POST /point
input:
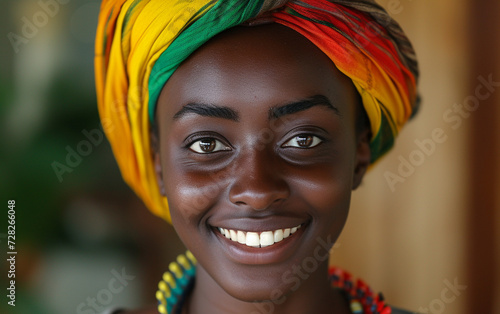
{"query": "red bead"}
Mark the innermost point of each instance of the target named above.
(386, 310)
(359, 292)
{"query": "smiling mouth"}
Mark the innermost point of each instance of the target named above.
(258, 239)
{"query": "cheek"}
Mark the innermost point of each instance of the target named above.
(188, 196)
(191, 194)
(327, 189)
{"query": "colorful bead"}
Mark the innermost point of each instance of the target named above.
(169, 278)
(187, 264)
(183, 261)
(162, 309)
(361, 297)
(356, 307)
(191, 257)
(173, 287)
(176, 270)
(386, 310)
(160, 296)
(175, 281)
(180, 277)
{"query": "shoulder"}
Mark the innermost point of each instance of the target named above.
(396, 310)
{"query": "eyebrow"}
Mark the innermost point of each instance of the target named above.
(208, 110)
(301, 105)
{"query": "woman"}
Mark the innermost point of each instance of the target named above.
(247, 124)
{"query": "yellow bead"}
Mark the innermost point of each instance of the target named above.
(169, 278)
(164, 288)
(181, 259)
(356, 307)
(191, 257)
(176, 269)
(162, 309)
(159, 296)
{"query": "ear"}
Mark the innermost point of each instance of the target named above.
(363, 157)
(155, 151)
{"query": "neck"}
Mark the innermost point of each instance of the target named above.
(314, 295)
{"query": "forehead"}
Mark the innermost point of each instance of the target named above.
(256, 67)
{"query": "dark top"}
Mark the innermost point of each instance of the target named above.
(400, 311)
(121, 311)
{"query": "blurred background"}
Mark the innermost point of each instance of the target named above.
(424, 226)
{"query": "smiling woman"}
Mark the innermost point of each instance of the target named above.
(257, 140)
(302, 176)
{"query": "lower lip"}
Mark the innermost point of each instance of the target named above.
(243, 254)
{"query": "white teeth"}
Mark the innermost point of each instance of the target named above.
(266, 238)
(286, 233)
(278, 235)
(254, 239)
(233, 234)
(242, 238)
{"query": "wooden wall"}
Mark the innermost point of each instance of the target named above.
(432, 225)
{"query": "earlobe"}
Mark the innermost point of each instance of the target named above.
(363, 156)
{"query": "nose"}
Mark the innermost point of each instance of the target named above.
(260, 183)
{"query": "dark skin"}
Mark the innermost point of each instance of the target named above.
(257, 131)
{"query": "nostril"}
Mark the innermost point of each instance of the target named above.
(259, 184)
(258, 200)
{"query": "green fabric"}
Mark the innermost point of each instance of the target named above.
(224, 15)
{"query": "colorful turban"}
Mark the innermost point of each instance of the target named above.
(140, 43)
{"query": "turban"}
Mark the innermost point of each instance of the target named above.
(140, 43)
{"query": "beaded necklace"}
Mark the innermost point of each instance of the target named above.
(177, 283)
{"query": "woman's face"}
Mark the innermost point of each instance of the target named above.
(256, 137)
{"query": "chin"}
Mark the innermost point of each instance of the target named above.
(257, 290)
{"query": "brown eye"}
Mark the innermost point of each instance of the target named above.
(208, 145)
(303, 141)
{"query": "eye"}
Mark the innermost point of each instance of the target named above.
(208, 145)
(303, 141)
